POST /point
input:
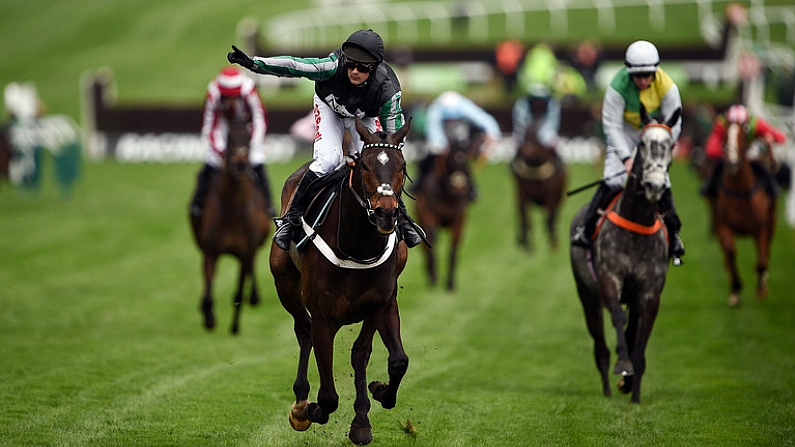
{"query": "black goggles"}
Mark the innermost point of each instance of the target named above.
(363, 67)
(643, 75)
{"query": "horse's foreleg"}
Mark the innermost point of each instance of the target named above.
(430, 256)
(552, 216)
(645, 315)
(206, 306)
(455, 239)
(595, 321)
(726, 239)
(610, 292)
(388, 325)
(237, 301)
(763, 243)
(288, 282)
(524, 225)
(299, 419)
(361, 432)
(254, 298)
(327, 399)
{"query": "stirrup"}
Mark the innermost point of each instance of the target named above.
(579, 239)
(284, 230)
(677, 250)
(283, 236)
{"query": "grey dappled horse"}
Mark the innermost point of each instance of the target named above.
(629, 261)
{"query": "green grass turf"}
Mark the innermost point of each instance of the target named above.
(102, 345)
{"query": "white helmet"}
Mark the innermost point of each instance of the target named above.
(642, 57)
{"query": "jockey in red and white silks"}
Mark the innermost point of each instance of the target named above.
(230, 88)
(231, 83)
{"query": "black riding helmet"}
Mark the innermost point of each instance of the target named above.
(364, 46)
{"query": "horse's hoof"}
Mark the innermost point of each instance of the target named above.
(624, 367)
(625, 384)
(761, 294)
(361, 435)
(298, 419)
(734, 300)
(379, 392)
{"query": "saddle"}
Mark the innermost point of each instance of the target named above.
(320, 195)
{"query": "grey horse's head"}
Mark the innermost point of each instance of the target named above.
(654, 155)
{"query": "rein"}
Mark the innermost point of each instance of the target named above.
(626, 224)
(660, 125)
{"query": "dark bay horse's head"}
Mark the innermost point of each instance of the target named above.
(654, 155)
(734, 146)
(236, 158)
(463, 147)
(531, 150)
(381, 172)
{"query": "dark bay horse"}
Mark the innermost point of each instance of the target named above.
(234, 222)
(347, 273)
(540, 178)
(6, 151)
(444, 196)
(742, 207)
(628, 262)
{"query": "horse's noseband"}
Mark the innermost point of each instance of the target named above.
(385, 189)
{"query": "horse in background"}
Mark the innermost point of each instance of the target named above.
(343, 272)
(444, 196)
(628, 262)
(234, 222)
(6, 152)
(742, 207)
(540, 177)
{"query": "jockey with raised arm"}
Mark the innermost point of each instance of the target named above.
(352, 81)
(641, 83)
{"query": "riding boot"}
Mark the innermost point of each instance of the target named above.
(409, 230)
(265, 189)
(768, 180)
(284, 232)
(676, 248)
(202, 189)
(710, 186)
(601, 199)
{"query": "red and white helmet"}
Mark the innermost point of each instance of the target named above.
(230, 81)
(737, 114)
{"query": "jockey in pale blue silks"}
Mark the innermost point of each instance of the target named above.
(539, 108)
(452, 106)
